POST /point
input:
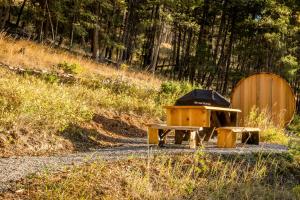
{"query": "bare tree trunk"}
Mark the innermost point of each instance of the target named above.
(95, 39)
(157, 42)
(50, 21)
(20, 12)
(5, 15)
(72, 33)
(229, 54)
(221, 28)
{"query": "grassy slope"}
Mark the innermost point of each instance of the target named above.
(34, 112)
(41, 114)
(36, 56)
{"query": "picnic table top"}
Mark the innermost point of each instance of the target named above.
(207, 108)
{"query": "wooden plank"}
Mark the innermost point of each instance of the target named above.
(226, 138)
(195, 117)
(153, 135)
(268, 92)
(188, 116)
(185, 117)
(222, 109)
(206, 107)
(239, 129)
(166, 127)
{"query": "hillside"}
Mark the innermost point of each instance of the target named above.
(82, 82)
(53, 102)
(42, 113)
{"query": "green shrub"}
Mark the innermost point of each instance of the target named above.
(70, 68)
(51, 77)
(171, 90)
(124, 67)
(294, 126)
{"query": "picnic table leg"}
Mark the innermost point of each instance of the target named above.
(179, 136)
(153, 137)
(206, 134)
(194, 140)
(250, 138)
(162, 136)
(187, 136)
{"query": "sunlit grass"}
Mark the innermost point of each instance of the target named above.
(28, 54)
(270, 132)
(173, 177)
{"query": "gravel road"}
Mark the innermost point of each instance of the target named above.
(16, 168)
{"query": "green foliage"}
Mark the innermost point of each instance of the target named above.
(265, 34)
(171, 90)
(296, 191)
(291, 65)
(51, 77)
(10, 103)
(124, 67)
(70, 68)
(294, 126)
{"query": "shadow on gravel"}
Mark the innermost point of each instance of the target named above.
(119, 127)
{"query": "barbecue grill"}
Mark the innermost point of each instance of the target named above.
(199, 97)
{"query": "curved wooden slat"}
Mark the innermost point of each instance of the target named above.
(267, 92)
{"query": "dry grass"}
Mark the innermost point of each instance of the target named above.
(270, 132)
(37, 56)
(36, 108)
(44, 106)
(33, 112)
(167, 177)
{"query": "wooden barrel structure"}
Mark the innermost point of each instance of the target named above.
(267, 92)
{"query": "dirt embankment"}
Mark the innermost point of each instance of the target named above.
(106, 129)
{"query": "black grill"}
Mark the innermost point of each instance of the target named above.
(203, 98)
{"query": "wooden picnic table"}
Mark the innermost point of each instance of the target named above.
(200, 123)
(204, 116)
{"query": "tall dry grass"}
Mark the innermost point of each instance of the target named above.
(36, 107)
(270, 132)
(172, 177)
(32, 55)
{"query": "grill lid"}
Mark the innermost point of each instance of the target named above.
(199, 97)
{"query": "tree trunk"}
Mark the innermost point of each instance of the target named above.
(221, 28)
(229, 53)
(95, 35)
(20, 12)
(72, 33)
(5, 16)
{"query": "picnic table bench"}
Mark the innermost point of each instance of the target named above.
(201, 123)
(157, 133)
(227, 136)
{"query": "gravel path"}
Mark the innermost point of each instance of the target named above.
(16, 168)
